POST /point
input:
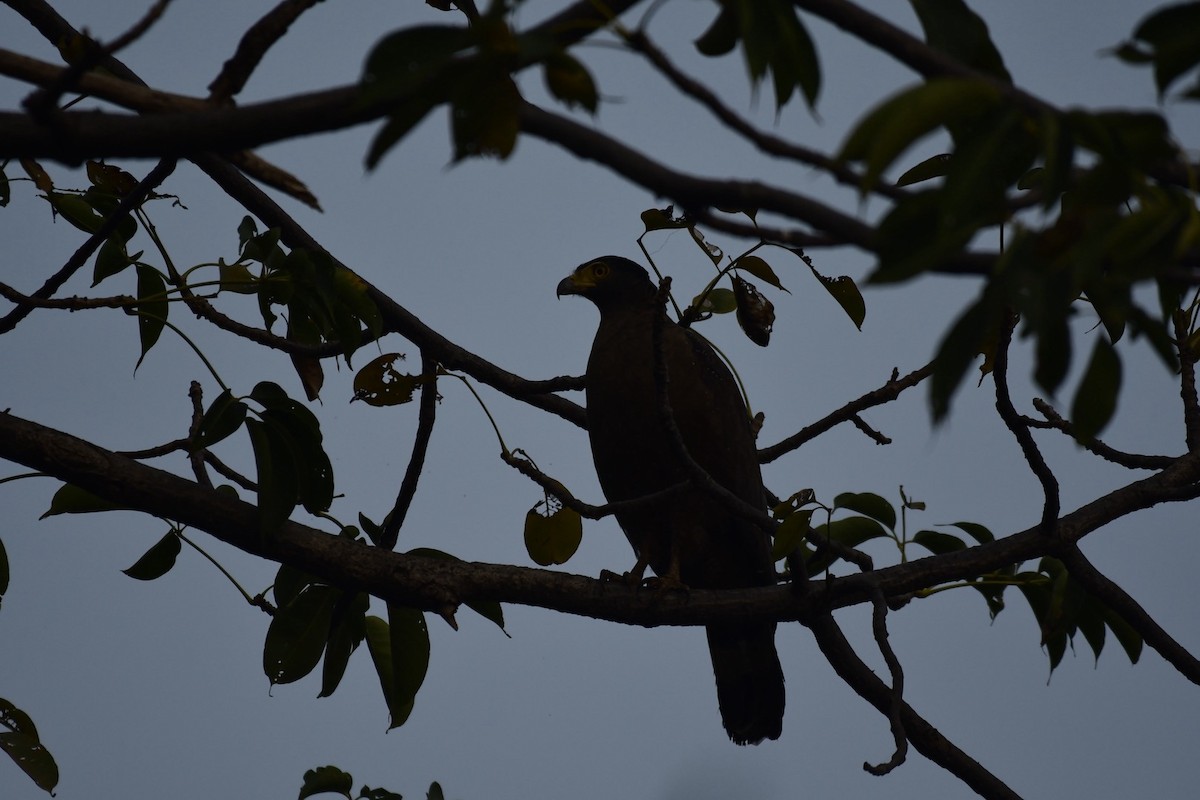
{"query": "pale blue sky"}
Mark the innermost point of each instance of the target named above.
(156, 689)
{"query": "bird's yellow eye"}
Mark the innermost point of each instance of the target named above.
(599, 270)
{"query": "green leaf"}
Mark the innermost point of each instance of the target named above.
(718, 301)
(71, 499)
(657, 219)
(570, 82)
(932, 167)
(976, 531)
(326, 779)
(157, 561)
(1127, 635)
(347, 630)
(898, 123)
(32, 757)
(552, 538)
(953, 28)
(722, 35)
(237, 278)
(843, 289)
(483, 116)
(298, 633)
(379, 383)
(853, 531)
(791, 533)
(400, 650)
(1096, 398)
(111, 259)
(937, 542)
(759, 269)
(1173, 32)
(21, 743)
(872, 505)
(76, 210)
(276, 476)
(222, 419)
(151, 307)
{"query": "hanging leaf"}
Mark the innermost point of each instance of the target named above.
(157, 561)
(151, 308)
(1096, 398)
(755, 313)
(554, 536)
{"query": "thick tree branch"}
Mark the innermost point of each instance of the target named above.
(433, 584)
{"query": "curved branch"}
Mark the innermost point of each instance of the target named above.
(1120, 458)
(847, 413)
(926, 738)
(1020, 431)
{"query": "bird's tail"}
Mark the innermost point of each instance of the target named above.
(749, 681)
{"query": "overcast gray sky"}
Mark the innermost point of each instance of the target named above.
(156, 689)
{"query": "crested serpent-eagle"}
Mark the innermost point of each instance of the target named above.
(689, 536)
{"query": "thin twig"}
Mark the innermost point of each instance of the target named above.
(1012, 420)
(884, 394)
(84, 252)
(1055, 421)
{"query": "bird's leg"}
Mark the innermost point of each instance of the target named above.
(669, 581)
(631, 578)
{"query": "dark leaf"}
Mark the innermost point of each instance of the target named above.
(790, 534)
(31, 756)
(157, 561)
(379, 383)
(76, 210)
(1096, 398)
(113, 257)
(570, 82)
(932, 167)
(869, 504)
(326, 779)
(151, 307)
(953, 28)
(722, 35)
(70, 499)
(755, 313)
(759, 269)
(657, 219)
(222, 419)
(298, 633)
(937, 542)
(347, 629)
(716, 301)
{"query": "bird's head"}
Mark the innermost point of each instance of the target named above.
(610, 282)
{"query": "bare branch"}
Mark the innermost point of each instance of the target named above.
(926, 738)
(884, 394)
(426, 416)
(255, 42)
(1130, 460)
(1012, 420)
